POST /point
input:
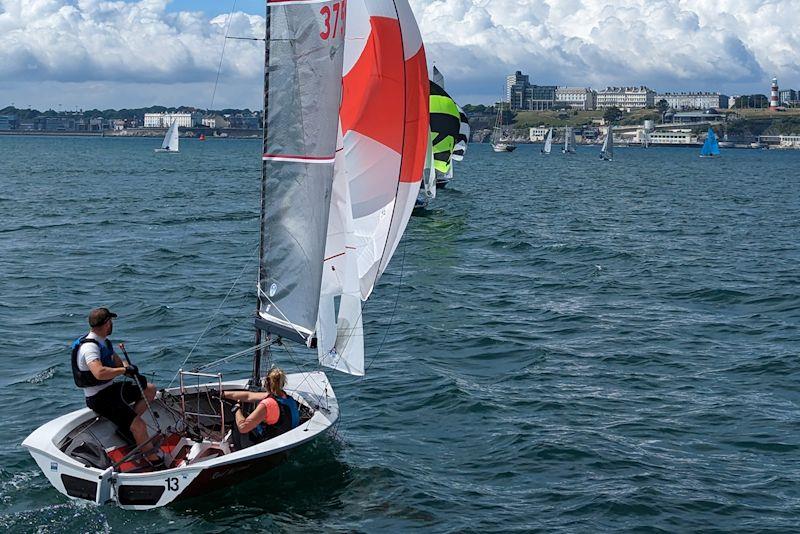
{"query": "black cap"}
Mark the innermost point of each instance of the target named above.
(99, 316)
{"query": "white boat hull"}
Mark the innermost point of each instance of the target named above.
(142, 491)
(503, 147)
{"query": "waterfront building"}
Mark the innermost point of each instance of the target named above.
(522, 95)
(518, 80)
(780, 141)
(677, 137)
(538, 134)
(709, 115)
(97, 124)
(583, 98)
(699, 100)
(165, 120)
(789, 97)
(215, 121)
(8, 122)
(626, 98)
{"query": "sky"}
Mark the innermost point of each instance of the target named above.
(82, 54)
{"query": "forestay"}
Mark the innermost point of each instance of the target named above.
(304, 55)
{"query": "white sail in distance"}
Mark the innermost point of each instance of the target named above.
(171, 138)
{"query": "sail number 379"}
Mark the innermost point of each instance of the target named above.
(332, 15)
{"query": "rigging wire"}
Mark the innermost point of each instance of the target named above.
(244, 352)
(211, 321)
(221, 57)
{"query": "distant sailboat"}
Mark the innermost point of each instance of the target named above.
(497, 132)
(463, 136)
(607, 152)
(569, 141)
(446, 121)
(171, 142)
(427, 191)
(711, 146)
(548, 142)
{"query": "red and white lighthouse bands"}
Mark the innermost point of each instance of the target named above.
(773, 95)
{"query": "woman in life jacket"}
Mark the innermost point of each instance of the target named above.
(275, 411)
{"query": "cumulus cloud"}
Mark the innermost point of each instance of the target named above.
(722, 45)
(96, 40)
(725, 45)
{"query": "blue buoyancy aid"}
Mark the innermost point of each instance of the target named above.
(289, 405)
(85, 379)
(288, 419)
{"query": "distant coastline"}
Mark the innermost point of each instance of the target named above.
(185, 133)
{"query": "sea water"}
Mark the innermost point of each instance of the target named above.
(559, 343)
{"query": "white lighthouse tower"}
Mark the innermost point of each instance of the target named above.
(774, 102)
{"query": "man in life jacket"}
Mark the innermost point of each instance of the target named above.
(95, 365)
(275, 411)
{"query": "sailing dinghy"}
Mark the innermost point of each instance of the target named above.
(447, 127)
(607, 152)
(338, 185)
(497, 133)
(548, 142)
(171, 139)
(569, 141)
(710, 147)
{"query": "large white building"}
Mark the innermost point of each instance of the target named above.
(701, 100)
(538, 134)
(165, 120)
(626, 98)
(675, 137)
(577, 97)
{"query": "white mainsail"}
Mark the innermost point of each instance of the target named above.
(607, 152)
(383, 154)
(569, 141)
(171, 143)
(305, 54)
(548, 142)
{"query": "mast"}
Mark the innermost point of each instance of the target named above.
(262, 226)
(262, 229)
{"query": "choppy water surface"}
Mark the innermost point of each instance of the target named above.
(565, 344)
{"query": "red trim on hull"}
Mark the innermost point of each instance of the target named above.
(223, 476)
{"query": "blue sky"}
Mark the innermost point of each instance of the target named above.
(97, 53)
(253, 7)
